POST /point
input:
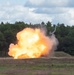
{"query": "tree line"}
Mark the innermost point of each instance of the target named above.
(64, 34)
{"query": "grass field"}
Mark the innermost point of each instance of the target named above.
(41, 66)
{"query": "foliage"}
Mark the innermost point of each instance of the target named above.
(64, 34)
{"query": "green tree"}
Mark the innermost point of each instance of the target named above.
(49, 27)
(10, 36)
(3, 45)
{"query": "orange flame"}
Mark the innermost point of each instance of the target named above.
(32, 43)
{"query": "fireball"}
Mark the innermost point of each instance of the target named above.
(31, 43)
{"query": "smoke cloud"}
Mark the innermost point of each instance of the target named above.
(33, 43)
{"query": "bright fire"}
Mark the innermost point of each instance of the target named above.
(32, 43)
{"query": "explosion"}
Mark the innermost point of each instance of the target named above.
(32, 43)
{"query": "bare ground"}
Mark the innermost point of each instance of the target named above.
(41, 66)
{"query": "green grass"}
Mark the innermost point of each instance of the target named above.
(42, 66)
(61, 54)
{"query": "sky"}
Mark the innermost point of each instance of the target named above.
(36, 11)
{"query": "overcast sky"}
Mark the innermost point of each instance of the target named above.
(36, 11)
